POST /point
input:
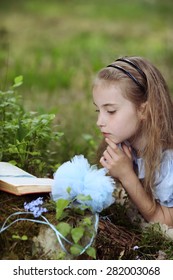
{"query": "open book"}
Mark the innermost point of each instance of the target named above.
(19, 182)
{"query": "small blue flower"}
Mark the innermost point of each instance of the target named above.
(35, 207)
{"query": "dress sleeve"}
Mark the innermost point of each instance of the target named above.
(163, 190)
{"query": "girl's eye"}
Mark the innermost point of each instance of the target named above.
(112, 112)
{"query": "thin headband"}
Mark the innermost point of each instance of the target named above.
(128, 74)
(133, 65)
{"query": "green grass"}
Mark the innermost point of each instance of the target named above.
(58, 46)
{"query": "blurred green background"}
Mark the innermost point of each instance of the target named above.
(59, 45)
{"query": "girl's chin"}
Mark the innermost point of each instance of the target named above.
(116, 141)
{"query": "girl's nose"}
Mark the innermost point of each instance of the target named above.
(100, 121)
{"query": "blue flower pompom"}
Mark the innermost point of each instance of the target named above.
(84, 179)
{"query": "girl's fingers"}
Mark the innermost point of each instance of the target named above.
(115, 149)
(112, 145)
(107, 154)
(107, 158)
(127, 151)
(103, 162)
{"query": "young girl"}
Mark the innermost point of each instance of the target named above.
(135, 116)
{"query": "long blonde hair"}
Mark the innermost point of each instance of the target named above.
(150, 87)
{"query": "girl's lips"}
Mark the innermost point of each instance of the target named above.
(106, 134)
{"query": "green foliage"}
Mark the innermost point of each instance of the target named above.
(83, 197)
(64, 228)
(60, 74)
(77, 225)
(76, 249)
(91, 252)
(61, 204)
(25, 137)
(153, 241)
(77, 233)
(23, 237)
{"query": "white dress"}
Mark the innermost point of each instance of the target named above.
(163, 185)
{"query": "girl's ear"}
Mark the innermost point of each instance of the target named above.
(143, 110)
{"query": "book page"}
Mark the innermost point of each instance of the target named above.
(8, 169)
(27, 181)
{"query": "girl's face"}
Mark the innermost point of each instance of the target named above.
(118, 119)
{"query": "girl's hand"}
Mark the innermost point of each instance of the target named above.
(118, 162)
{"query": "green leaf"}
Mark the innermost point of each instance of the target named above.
(91, 252)
(61, 255)
(87, 137)
(68, 190)
(77, 234)
(85, 207)
(64, 228)
(24, 237)
(87, 221)
(83, 197)
(18, 81)
(61, 204)
(76, 249)
(79, 211)
(15, 236)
